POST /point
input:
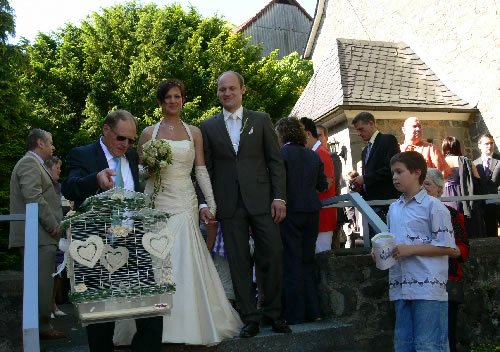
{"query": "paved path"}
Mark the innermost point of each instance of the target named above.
(318, 336)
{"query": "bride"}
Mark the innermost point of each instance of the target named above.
(201, 313)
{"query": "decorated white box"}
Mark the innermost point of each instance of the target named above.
(118, 258)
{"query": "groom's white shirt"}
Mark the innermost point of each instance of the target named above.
(234, 122)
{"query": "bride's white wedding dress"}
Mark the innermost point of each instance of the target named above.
(201, 313)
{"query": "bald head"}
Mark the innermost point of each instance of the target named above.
(230, 90)
(412, 130)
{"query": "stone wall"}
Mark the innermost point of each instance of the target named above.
(354, 291)
(11, 283)
(457, 39)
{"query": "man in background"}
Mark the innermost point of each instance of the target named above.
(327, 216)
(412, 130)
(488, 167)
(375, 182)
(339, 182)
(31, 182)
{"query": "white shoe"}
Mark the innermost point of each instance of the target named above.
(59, 313)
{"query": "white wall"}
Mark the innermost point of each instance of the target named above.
(458, 39)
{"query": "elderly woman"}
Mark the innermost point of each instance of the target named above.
(434, 184)
(299, 230)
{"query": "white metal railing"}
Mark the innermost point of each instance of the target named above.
(368, 216)
(31, 337)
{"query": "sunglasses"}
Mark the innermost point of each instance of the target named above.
(123, 138)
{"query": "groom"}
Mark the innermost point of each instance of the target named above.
(248, 176)
(91, 169)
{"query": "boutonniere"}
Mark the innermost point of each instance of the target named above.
(246, 129)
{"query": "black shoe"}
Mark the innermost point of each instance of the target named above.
(250, 330)
(281, 327)
(266, 321)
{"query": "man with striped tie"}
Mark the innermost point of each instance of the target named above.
(375, 183)
(488, 167)
(97, 167)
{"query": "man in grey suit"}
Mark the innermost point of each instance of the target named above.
(248, 175)
(488, 167)
(31, 182)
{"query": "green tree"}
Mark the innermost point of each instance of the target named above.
(13, 121)
(116, 58)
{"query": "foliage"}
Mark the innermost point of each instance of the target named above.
(67, 81)
(7, 27)
(13, 121)
(116, 58)
(485, 348)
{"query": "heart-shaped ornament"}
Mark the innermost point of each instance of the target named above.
(114, 258)
(158, 244)
(87, 252)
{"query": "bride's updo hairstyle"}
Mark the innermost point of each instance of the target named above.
(168, 84)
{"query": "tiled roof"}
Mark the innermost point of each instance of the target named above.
(266, 8)
(375, 74)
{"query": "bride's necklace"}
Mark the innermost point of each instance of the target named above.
(170, 126)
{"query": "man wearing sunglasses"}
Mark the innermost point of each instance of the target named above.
(91, 169)
(97, 167)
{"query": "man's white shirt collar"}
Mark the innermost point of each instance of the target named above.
(374, 135)
(38, 157)
(316, 145)
(128, 180)
(107, 154)
(238, 113)
(485, 158)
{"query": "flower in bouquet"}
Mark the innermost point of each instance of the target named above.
(156, 153)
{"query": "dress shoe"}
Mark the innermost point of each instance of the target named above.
(250, 330)
(281, 327)
(51, 334)
(266, 321)
(59, 313)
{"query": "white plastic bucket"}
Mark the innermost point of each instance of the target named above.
(383, 245)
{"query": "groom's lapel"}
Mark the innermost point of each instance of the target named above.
(246, 128)
(222, 130)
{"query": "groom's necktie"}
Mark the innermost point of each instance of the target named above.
(118, 171)
(233, 126)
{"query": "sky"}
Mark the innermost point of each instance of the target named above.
(45, 16)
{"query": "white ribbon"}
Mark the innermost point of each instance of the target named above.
(63, 246)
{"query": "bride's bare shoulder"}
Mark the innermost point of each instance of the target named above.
(148, 131)
(194, 129)
(146, 135)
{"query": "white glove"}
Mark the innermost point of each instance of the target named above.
(206, 187)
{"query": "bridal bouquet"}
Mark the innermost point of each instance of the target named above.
(156, 153)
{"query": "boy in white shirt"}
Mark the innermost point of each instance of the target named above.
(424, 237)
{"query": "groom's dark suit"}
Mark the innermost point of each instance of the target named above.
(82, 165)
(245, 185)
